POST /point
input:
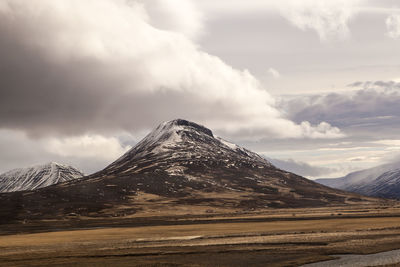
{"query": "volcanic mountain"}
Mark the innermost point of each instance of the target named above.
(37, 176)
(180, 167)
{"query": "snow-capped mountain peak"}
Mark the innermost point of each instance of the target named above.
(171, 132)
(380, 181)
(179, 166)
(37, 176)
(184, 140)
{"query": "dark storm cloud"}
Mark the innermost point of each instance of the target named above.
(73, 67)
(43, 96)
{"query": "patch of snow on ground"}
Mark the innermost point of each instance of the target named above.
(228, 144)
(176, 170)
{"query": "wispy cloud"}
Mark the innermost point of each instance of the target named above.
(393, 26)
(329, 19)
(302, 168)
(273, 73)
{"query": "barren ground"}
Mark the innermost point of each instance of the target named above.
(287, 237)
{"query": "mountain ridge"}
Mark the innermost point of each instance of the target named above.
(180, 167)
(37, 176)
(379, 181)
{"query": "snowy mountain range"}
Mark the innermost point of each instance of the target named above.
(180, 167)
(380, 181)
(38, 176)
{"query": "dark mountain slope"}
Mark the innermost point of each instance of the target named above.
(180, 167)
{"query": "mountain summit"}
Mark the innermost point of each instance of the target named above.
(37, 176)
(178, 146)
(180, 167)
(184, 159)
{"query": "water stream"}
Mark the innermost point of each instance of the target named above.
(383, 258)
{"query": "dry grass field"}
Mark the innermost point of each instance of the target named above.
(287, 237)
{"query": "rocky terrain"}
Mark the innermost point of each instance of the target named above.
(179, 168)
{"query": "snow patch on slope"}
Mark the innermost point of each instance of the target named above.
(228, 144)
(188, 142)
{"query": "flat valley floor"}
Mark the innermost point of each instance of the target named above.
(287, 237)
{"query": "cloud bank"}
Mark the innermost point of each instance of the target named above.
(370, 110)
(89, 153)
(76, 67)
(302, 168)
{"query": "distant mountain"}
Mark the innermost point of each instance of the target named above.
(380, 181)
(179, 167)
(37, 177)
(386, 185)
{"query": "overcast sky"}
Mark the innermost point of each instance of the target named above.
(314, 85)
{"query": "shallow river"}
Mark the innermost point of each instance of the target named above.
(383, 258)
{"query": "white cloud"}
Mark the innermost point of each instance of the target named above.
(87, 146)
(175, 15)
(329, 19)
(393, 26)
(322, 130)
(89, 153)
(303, 168)
(273, 73)
(388, 142)
(338, 162)
(105, 66)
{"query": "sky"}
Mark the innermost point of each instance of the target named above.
(312, 85)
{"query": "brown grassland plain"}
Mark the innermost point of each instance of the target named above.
(287, 237)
